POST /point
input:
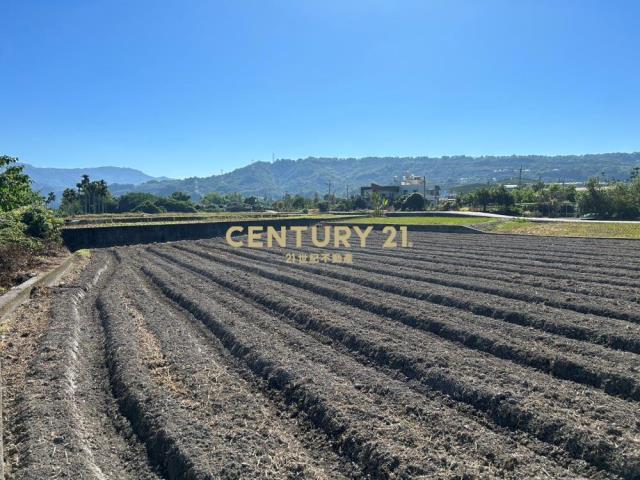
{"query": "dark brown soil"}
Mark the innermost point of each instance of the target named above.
(465, 357)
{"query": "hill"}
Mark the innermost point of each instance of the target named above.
(310, 175)
(55, 180)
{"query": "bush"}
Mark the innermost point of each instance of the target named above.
(29, 226)
(14, 233)
(129, 201)
(40, 222)
(398, 202)
(148, 207)
(25, 233)
(173, 205)
(414, 202)
(236, 207)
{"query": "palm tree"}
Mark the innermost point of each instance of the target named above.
(83, 188)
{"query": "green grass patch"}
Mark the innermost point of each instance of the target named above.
(570, 229)
(84, 253)
(420, 220)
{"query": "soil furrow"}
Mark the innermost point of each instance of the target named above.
(588, 248)
(299, 368)
(614, 333)
(183, 421)
(461, 357)
(506, 264)
(575, 301)
(504, 408)
(71, 424)
(462, 270)
(569, 264)
(583, 363)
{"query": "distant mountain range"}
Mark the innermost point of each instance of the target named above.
(317, 175)
(55, 180)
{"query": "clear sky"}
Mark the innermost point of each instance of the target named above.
(193, 87)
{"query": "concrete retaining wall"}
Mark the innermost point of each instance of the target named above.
(16, 295)
(99, 237)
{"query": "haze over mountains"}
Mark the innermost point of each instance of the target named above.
(55, 180)
(316, 175)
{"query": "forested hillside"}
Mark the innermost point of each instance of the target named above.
(311, 175)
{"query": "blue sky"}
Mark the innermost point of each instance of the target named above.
(182, 88)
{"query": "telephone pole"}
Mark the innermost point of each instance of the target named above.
(520, 177)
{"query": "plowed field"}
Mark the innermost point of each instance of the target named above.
(464, 357)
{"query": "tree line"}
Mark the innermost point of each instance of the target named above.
(94, 197)
(599, 199)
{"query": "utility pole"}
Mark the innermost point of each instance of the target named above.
(347, 192)
(520, 177)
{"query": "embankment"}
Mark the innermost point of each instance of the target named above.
(111, 236)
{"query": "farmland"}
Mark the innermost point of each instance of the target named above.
(425, 220)
(466, 356)
(570, 229)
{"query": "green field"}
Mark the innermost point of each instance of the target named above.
(569, 229)
(420, 220)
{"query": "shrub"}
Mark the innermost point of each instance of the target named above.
(173, 205)
(414, 202)
(24, 234)
(129, 201)
(40, 222)
(14, 233)
(236, 207)
(148, 207)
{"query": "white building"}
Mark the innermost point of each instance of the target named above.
(401, 187)
(411, 184)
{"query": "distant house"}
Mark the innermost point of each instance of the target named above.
(390, 192)
(412, 184)
(406, 186)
